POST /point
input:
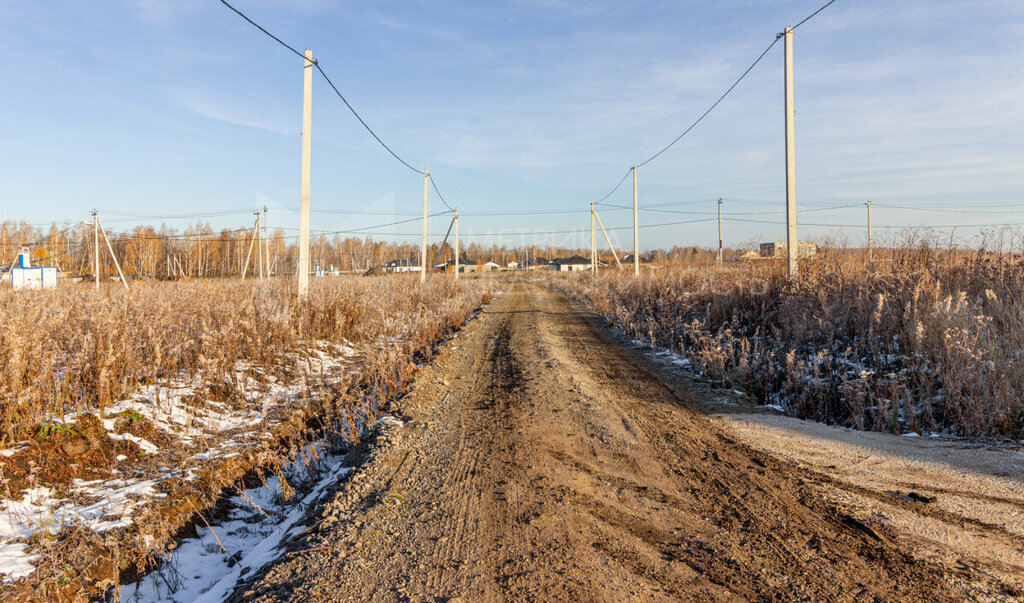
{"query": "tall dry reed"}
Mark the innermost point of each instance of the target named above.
(78, 348)
(925, 339)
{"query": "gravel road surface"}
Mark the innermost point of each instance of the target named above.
(541, 460)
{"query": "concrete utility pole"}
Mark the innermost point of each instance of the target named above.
(266, 240)
(792, 243)
(456, 243)
(593, 241)
(719, 230)
(608, 239)
(636, 230)
(96, 246)
(869, 233)
(252, 243)
(259, 248)
(423, 248)
(124, 281)
(307, 124)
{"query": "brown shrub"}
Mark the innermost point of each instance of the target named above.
(928, 339)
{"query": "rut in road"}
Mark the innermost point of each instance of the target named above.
(540, 460)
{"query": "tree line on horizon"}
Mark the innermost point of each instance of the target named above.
(199, 251)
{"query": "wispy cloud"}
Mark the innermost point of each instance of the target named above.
(199, 104)
(162, 11)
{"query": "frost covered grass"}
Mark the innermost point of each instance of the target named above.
(127, 418)
(927, 340)
(78, 349)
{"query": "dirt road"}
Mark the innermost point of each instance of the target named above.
(541, 461)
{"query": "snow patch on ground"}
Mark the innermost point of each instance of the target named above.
(259, 524)
(207, 568)
(15, 562)
(179, 411)
(113, 503)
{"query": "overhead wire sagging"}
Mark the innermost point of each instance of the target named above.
(439, 195)
(362, 121)
(316, 63)
(715, 104)
(711, 108)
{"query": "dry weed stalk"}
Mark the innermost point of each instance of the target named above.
(81, 350)
(928, 339)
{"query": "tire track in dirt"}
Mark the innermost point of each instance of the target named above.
(548, 463)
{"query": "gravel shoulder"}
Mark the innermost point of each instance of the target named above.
(956, 503)
(541, 460)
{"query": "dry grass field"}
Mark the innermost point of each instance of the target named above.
(924, 340)
(129, 421)
(123, 416)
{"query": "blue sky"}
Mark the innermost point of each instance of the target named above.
(516, 106)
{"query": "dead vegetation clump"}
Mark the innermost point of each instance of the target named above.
(923, 340)
(292, 377)
(59, 453)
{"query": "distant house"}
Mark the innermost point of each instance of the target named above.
(534, 263)
(750, 255)
(512, 265)
(571, 264)
(804, 249)
(628, 259)
(464, 266)
(401, 266)
(490, 267)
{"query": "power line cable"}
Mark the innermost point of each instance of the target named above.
(712, 107)
(257, 26)
(439, 195)
(153, 216)
(358, 213)
(726, 93)
(361, 120)
(716, 103)
(525, 212)
(1005, 224)
(364, 228)
(616, 187)
(808, 17)
(950, 211)
(316, 63)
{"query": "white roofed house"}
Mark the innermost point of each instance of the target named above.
(575, 263)
(449, 266)
(401, 266)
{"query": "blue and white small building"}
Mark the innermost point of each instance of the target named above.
(26, 276)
